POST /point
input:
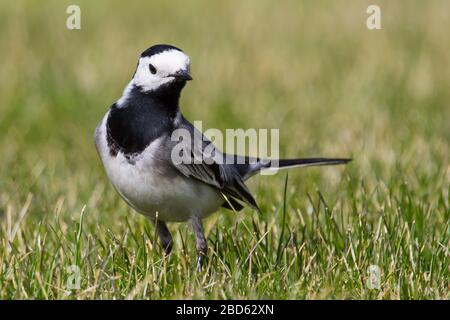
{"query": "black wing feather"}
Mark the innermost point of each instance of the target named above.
(224, 177)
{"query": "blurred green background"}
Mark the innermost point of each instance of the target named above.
(310, 68)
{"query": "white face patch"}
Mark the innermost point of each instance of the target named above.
(166, 63)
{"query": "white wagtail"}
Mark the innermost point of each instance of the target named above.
(135, 145)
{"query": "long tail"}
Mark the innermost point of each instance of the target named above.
(248, 167)
(306, 162)
(248, 171)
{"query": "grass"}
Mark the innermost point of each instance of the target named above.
(311, 69)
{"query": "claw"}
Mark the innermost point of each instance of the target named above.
(199, 263)
(168, 249)
(202, 246)
(164, 236)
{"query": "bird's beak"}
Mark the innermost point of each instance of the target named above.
(182, 75)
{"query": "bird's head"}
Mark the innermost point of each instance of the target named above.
(162, 67)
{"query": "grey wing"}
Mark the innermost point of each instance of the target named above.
(206, 163)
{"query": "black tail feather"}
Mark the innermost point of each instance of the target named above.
(305, 162)
(251, 166)
(247, 170)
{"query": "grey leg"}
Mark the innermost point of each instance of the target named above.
(164, 236)
(201, 244)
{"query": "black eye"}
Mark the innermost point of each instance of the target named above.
(152, 68)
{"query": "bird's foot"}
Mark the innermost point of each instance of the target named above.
(201, 261)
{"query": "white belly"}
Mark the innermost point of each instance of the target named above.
(145, 188)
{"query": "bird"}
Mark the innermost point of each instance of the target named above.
(135, 145)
